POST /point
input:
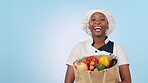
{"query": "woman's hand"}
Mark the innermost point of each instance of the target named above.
(125, 74)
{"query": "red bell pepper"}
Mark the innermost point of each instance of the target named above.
(91, 60)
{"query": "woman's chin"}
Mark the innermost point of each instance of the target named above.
(98, 34)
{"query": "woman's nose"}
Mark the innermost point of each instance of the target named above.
(98, 22)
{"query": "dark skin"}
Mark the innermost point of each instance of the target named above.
(99, 20)
(69, 78)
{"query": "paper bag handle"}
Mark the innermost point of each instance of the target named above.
(89, 72)
(104, 76)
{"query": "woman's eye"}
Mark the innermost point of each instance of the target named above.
(93, 19)
(102, 19)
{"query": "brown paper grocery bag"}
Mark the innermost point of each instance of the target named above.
(109, 75)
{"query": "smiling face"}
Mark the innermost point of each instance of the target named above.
(98, 24)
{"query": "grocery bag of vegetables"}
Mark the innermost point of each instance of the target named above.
(96, 69)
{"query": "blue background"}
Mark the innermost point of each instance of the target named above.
(37, 36)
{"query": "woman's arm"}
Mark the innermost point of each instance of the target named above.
(69, 78)
(125, 74)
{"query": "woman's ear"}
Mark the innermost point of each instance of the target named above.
(107, 25)
(89, 24)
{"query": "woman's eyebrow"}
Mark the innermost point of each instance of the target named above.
(95, 16)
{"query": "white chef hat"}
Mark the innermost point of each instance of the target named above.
(110, 18)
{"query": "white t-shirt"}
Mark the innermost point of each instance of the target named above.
(85, 48)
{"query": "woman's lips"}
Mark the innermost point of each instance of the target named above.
(97, 28)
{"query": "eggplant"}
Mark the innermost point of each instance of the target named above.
(113, 62)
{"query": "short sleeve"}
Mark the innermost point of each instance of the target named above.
(74, 55)
(122, 57)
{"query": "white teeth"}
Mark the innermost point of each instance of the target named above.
(97, 28)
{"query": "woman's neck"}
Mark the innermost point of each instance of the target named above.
(98, 41)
